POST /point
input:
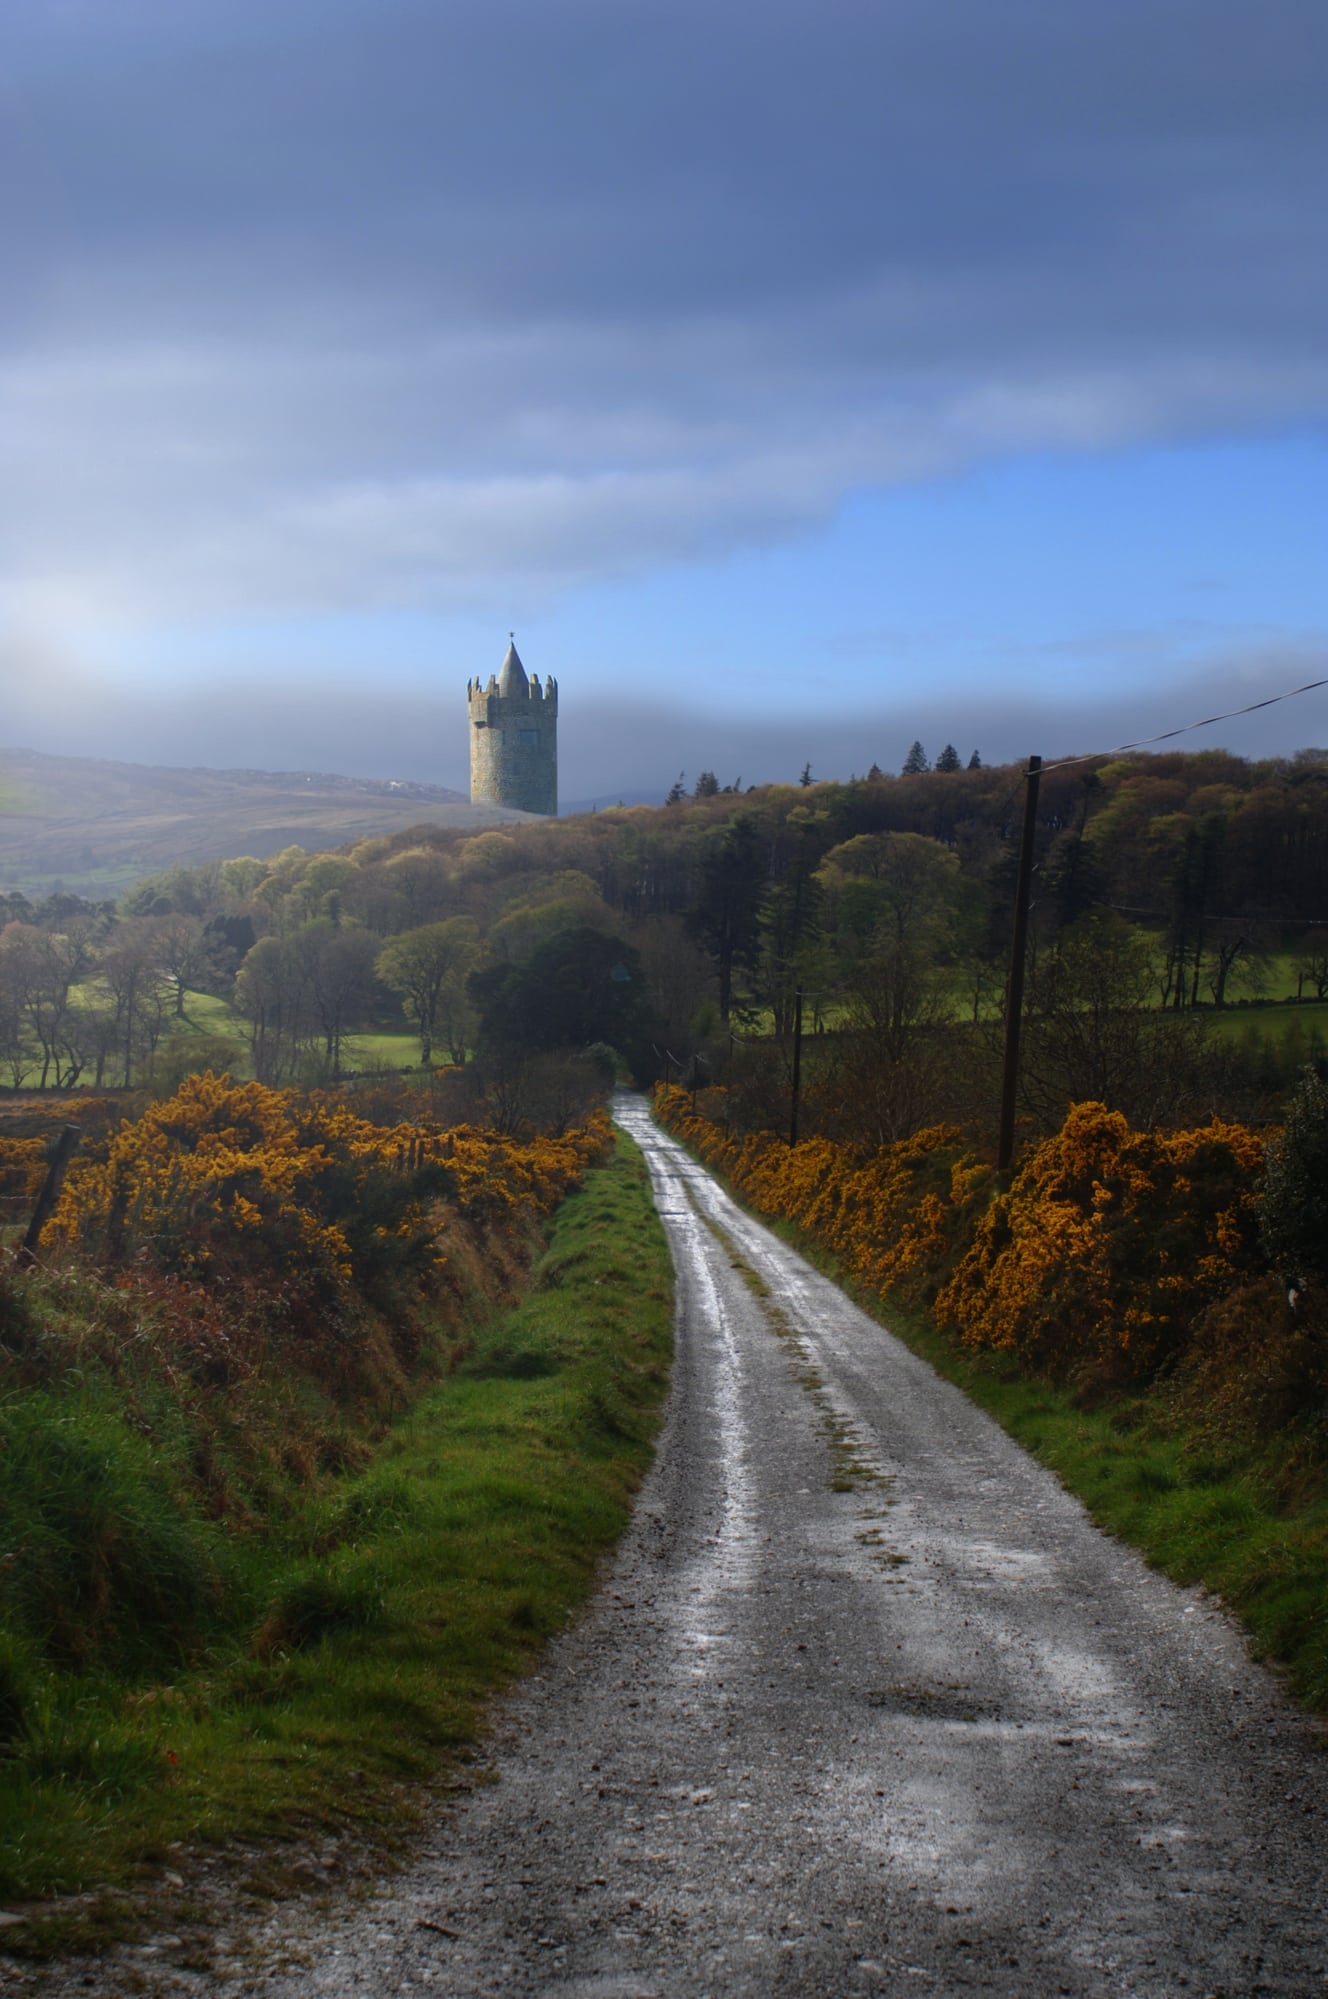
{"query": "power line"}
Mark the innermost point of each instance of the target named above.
(1121, 749)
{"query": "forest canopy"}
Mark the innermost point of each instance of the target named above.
(699, 939)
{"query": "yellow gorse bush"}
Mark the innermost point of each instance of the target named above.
(22, 1169)
(238, 1179)
(1095, 1261)
(1108, 1244)
(891, 1215)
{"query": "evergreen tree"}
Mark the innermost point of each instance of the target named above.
(707, 785)
(678, 789)
(948, 759)
(975, 761)
(806, 777)
(725, 917)
(916, 761)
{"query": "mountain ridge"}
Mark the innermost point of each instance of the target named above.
(96, 825)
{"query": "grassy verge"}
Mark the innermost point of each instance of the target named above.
(1200, 1503)
(369, 1627)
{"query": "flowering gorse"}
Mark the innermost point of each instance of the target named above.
(229, 1180)
(1094, 1262)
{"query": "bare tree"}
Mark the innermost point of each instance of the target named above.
(1310, 963)
(130, 971)
(185, 953)
(1091, 1036)
(338, 967)
(39, 970)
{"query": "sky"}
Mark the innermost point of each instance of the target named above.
(796, 380)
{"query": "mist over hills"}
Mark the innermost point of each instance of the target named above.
(95, 827)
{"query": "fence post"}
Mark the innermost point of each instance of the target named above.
(1014, 1002)
(64, 1151)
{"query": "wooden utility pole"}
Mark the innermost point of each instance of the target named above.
(1014, 998)
(797, 1066)
(64, 1151)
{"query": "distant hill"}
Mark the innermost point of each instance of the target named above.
(96, 827)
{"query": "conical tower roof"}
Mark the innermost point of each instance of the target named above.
(511, 674)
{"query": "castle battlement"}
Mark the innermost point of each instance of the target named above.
(514, 739)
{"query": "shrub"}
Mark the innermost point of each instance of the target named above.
(1093, 1264)
(1293, 1213)
(98, 1558)
(229, 1182)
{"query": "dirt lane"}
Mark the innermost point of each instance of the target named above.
(866, 1705)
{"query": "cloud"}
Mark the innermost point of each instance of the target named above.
(316, 308)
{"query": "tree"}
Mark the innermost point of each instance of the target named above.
(894, 903)
(948, 759)
(975, 761)
(805, 778)
(1090, 1036)
(707, 785)
(428, 967)
(677, 790)
(131, 973)
(1293, 1212)
(39, 969)
(792, 959)
(725, 916)
(271, 993)
(580, 987)
(185, 953)
(915, 763)
(338, 967)
(1311, 963)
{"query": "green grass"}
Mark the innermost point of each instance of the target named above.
(1276, 1024)
(346, 1654)
(206, 1013)
(384, 1051)
(395, 1048)
(214, 1021)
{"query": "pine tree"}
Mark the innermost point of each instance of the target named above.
(678, 789)
(916, 761)
(806, 777)
(948, 759)
(975, 761)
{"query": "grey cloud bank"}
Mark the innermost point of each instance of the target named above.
(339, 307)
(613, 746)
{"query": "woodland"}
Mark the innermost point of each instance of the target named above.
(858, 931)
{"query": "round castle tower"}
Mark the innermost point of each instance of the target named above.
(514, 739)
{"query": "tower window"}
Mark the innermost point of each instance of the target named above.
(528, 736)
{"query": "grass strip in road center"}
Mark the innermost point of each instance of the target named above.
(394, 1606)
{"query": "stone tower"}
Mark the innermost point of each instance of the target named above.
(514, 739)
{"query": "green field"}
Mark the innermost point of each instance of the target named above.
(206, 1014)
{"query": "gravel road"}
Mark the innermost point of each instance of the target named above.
(865, 1705)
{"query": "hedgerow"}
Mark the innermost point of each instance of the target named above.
(1095, 1263)
(239, 1286)
(238, 1181)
